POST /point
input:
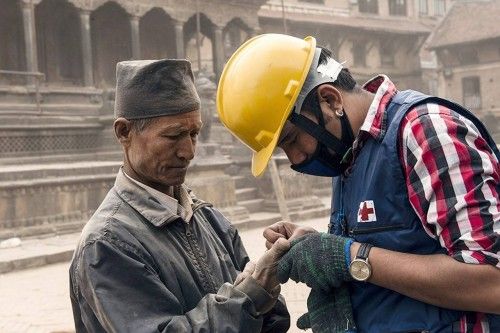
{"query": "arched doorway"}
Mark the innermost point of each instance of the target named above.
(235, 33)
(207, 50)
(157, 35)
(12, 49)
(111, 42)
(59, 42)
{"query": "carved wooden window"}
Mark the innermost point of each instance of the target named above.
(440, 7)
(468, 56)
(387, 53)
(423, 7)
(359, 54)
(471, 89)
(397, 7)
(368, 6)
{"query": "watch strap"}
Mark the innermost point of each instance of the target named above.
(363, 251)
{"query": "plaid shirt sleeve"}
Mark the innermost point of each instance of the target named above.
(452, 177)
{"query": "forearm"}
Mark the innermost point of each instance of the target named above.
(139, 301)
(436, 279)
(230, 310)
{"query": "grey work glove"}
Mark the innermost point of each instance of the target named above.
(318, 260)
(328, 312)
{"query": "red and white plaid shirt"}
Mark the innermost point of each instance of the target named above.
(451, 177)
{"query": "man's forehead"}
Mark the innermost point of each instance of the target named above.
(183, 117)
(180, 121)
(179, 124)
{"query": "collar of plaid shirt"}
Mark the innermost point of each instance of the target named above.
(375, 121)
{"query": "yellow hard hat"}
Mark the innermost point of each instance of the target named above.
(258, 89)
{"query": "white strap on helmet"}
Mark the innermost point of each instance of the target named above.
(324, 73)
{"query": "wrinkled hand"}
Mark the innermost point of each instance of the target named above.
(318, 260)
(328, 312)
(266, 267)
(247, 271)
(284, 230)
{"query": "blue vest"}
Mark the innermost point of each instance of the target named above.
(377, 176)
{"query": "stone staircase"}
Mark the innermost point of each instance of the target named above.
(247, 195)
(266, 211)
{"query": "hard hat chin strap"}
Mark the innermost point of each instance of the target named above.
(318, 131)
(319, 74)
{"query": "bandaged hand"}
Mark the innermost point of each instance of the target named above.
(318, 260)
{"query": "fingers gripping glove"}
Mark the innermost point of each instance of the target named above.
(318, 260)
(328, 312)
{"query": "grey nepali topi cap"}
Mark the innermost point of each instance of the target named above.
(154, 88)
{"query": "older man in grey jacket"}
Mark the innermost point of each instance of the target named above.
(153, 257)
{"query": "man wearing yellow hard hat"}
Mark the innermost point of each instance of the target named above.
(413, 243)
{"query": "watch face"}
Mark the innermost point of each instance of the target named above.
(360, 270)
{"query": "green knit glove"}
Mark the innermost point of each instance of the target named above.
(318, 260)
(328, 312)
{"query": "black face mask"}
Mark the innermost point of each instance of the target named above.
(322, 162)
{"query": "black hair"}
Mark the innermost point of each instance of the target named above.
(344, 81)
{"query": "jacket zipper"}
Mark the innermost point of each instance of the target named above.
(195, 249)
(375, 229)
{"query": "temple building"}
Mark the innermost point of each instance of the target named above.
(467, 44)
(58, 154)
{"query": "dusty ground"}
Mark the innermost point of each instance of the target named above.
(37, 300)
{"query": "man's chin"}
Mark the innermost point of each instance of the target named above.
(176, 180)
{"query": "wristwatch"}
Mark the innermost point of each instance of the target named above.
(360, 268)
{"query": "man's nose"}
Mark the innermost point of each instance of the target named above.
(186, 148)
(295, 156)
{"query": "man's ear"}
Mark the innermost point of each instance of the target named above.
(123, 129)
(330, 99)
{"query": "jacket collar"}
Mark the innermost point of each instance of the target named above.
(375, 123)
(147, 204)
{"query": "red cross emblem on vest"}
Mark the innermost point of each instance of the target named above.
(366, 212)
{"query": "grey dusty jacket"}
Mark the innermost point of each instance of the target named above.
(139, 268)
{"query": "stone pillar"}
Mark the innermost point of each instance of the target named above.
(219, 51)
(410, 8)
(383, 8)
(88, 71)
(30, 37)
(136, 44)
(179, 39)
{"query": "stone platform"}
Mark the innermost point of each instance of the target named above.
(49, 249)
